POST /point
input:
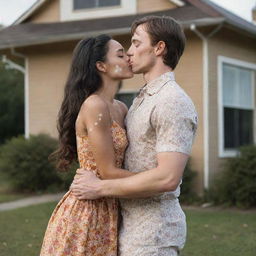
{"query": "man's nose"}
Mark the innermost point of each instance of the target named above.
(129, 52)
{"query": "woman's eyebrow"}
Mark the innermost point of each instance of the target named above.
(120, 50)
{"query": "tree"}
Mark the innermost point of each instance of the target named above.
(11, 103)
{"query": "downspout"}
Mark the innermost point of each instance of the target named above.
(26, 90)
(205, 97)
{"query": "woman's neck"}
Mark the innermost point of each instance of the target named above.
(108, 90)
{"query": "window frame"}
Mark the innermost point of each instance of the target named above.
(95, 8)
(240, 64)
(67, 12)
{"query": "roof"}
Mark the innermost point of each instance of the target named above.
(34, 7)
(198, 12)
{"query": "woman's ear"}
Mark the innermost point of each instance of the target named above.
(160, 48)
(101, 66)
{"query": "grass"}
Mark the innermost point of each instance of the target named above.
(22, 229)
(220, 233)
(6, 193)
(210, 232)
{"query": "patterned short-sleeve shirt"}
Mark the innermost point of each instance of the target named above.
(162, 118)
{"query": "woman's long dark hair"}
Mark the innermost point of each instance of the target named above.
(83, 80)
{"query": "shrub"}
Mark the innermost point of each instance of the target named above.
(236, 184)
(26, 164)
(187, 187)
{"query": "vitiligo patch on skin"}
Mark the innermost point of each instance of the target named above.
(118, 69)
(96, 123)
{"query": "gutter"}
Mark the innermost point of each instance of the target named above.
(204, 39)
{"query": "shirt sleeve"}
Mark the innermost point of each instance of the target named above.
(175, 124)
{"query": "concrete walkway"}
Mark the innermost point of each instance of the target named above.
(30, 201)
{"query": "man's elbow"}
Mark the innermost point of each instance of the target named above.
(170, 185)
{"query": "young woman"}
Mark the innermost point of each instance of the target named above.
(90, 125)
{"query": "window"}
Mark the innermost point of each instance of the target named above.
(236, 106)
(87, 4)
(126, 97)
(95, 9)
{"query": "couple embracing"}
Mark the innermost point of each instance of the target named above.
(131, 162)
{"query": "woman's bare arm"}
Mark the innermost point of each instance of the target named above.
(100, 137)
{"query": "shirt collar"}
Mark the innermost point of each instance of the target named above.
(155, 85)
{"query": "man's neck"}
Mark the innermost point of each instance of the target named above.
(155, 72)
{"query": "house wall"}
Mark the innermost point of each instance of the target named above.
(153, 6)
(230, 44)
(49, 12)
(48, 70)
(189, 75)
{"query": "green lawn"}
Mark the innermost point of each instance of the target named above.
(210, 232)
(220, 233)
(6, 193)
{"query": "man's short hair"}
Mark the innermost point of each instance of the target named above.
(164, 29)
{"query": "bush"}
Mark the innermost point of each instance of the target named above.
(236, 184)
(187, 187)
(26, 164)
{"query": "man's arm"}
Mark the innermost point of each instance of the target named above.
(165, 177)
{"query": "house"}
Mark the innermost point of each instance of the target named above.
(217, 69)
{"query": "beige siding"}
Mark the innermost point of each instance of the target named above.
(49, 12)
(144, 6)
(190, 77)
(48, 70)
(233, 45)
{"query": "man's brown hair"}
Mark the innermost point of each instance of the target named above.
(164, 29)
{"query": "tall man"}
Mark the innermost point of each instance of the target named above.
(161, 126)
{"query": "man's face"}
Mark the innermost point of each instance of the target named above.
(141, 52)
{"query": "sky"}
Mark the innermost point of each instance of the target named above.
(10, 10)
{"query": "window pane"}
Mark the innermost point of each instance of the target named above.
(229, 84)
(245, 127)
(108, 3)
(83, 4)
(245, 88)
(238, 127)
(237, 87)
(126, 98)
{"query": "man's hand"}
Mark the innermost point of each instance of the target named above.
(86, 185)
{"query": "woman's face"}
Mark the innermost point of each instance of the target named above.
(116, 64)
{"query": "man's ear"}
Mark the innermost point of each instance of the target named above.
(101, 66)
(160, 48)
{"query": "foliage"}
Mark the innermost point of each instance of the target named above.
(26, 164)
(11, 103)
(188, 194)
(236, 184)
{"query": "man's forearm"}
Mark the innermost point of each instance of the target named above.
(144, 184)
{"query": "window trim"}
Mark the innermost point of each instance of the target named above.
(242, 64)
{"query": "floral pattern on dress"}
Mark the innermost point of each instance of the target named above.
(86, 227)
